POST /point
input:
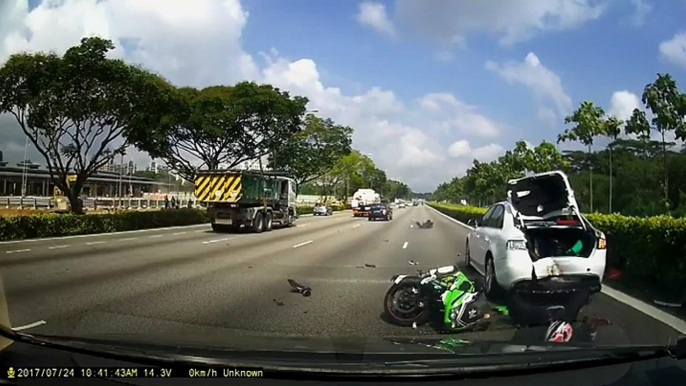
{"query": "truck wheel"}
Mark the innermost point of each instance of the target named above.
(289, 220)
(257, 225)
(268, 222)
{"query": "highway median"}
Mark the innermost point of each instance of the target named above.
(32, 225)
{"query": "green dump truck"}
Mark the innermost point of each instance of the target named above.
(238, 199)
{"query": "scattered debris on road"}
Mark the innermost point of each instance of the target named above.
(370, 265)
(413, 262)
(279, 302)
(425, 225)
(385, 240)
(302, 289)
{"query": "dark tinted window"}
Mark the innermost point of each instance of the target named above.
(497, 217)
(487, 216)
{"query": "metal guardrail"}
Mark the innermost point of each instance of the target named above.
(38, 203)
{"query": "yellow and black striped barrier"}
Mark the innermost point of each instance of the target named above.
(218, 187)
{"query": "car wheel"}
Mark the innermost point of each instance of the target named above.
(491, 286)
(467, 256)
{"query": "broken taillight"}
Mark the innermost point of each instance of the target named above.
(567, 222)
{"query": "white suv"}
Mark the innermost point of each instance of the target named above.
(537, 241)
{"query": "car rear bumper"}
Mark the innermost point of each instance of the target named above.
(558, 274)
(377, 215)
(558, 285)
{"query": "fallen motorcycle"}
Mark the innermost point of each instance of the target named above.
(444, 292)
(447, 293)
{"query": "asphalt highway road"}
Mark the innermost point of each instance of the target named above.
(192, 281)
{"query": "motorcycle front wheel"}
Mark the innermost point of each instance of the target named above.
(405, 304)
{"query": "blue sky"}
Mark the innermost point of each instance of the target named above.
(428, 86)
(618, 51)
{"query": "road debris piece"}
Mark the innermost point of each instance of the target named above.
(370, 265)
(425, 225)
(413, 262)
(299, 288)
(385, 240)
(279, 302)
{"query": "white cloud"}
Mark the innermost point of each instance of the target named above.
(459, 148)
(543, 82)
(674, 49)
(487, 153)
(454, 115)
(623, 103)
(511, 21)
(641, 11)
(198, 43)
(374, 15)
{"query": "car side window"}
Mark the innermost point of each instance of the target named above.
(487, 216)
(497, 218)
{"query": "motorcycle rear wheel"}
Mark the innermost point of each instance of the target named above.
(402, 304)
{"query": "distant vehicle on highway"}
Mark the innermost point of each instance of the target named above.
(382, 212)
(250, 199)
(537, 240)
(402, 205)
(362, 201)
(322, 210)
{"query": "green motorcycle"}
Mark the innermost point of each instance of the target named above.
(444, 293)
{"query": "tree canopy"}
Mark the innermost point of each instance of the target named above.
(311, 153)
(227, 125)
(82, 109)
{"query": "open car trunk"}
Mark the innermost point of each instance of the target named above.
(560, 241)
(543, 196)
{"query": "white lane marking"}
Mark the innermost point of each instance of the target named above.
(60, 246)
(656, 313)
(662, 316)
(18, 251)
(303, 243)
(100, 234)
(199, 231)
(405, 245)
(217, 240)
(30, 325)
(156, 236)
(356, 225)
(304, 225)
(179, 233)
(128, 239)
(96, 242)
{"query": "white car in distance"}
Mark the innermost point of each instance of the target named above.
(537, 241)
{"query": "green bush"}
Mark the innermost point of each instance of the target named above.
(650, 251)
(55, 225)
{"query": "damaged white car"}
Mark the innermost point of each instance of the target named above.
(537, 241)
